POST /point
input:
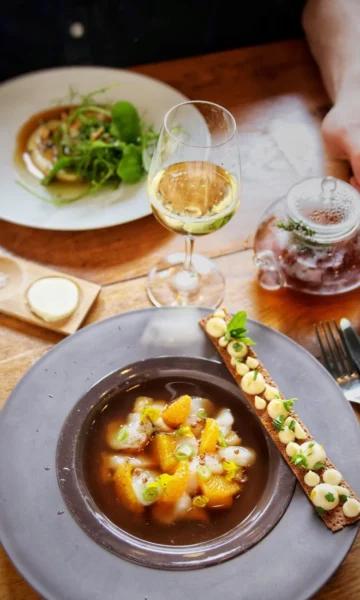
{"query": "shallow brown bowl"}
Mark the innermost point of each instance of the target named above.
(268, 507)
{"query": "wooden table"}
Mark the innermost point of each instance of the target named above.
(276, 94)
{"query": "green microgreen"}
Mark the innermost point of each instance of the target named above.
(184, 452)
(320, 511)
(343, 498)
(299, 460)
(236, 328)
(291, 425)
(289, 404)
(279, 422)
(330, 497)
(151, 491)
(318, 465)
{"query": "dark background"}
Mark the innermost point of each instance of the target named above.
(36, 34)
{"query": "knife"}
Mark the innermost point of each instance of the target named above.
(352, 341)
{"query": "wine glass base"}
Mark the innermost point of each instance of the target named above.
(168, 284)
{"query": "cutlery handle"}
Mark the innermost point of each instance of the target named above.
(352, 342)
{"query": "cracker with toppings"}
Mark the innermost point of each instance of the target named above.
(332, 497)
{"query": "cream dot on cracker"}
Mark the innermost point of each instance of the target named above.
(216, 327)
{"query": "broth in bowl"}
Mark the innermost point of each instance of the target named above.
(174, 461)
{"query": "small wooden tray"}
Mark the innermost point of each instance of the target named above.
(16, 275)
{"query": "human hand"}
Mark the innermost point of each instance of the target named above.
(341, 133)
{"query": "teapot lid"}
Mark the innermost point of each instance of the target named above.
(327, 208)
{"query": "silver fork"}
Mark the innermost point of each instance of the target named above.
(337, 359)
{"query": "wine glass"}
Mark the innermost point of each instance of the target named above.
(193, 185)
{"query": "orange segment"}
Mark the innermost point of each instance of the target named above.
(178, 411)
(124, 489)
(219, 491)
(196, 513)
(209, 437)
(175, 485)
(163, 513)
(163, 448)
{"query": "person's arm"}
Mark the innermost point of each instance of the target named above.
(332, 28)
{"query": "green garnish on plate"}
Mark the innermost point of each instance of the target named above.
(318, 465)
(289, 404)
(330, 497)
(279, 422)
(236, 329)
(299, 460)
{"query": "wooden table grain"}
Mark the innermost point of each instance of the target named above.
(277, 96)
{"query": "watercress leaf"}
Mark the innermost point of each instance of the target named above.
(130, 169)
(126, 121)
(65, 162)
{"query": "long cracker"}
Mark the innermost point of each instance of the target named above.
(334, 519)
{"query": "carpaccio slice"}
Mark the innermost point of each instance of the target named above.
(335, 519)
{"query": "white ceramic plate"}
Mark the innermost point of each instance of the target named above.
(24, 96)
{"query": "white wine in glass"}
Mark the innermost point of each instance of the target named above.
(194, 190)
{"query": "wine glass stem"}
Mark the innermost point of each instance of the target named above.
(189, 249)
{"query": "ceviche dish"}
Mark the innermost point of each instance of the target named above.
(80, 148)
(172, 466)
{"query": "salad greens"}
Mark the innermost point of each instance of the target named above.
(101, 144)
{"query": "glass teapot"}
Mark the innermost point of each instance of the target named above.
(310, 240)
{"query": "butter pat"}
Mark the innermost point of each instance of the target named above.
(53, 298)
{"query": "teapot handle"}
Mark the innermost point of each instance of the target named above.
(269, 272)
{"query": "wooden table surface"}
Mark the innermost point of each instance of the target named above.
(276, 94)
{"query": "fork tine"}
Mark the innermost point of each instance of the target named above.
(320, 334)
(351, 368)
(338, 349)
(329, 343)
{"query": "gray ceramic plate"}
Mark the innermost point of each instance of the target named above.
(293, 561)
